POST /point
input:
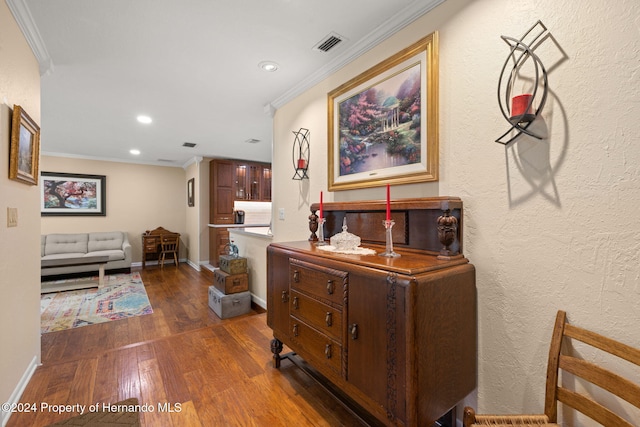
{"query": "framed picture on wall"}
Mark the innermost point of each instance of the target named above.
(190, 190)
(67, 194)
(383, 124)
(25, 148)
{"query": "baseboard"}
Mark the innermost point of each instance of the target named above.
(17, 392)
(258, 301)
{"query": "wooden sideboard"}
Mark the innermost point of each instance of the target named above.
(395, 337)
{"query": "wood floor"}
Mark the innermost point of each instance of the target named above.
(182, 361)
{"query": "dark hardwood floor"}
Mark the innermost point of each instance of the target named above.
(182, 361)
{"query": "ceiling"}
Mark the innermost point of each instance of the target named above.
(191, 65)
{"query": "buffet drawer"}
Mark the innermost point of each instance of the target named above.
(321, 316)
(316, 345)
(327, 284)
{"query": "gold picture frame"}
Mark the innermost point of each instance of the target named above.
(383, 124)
(25, 147)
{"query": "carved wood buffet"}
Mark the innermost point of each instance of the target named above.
(395, 337)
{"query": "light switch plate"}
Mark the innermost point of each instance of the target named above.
(281, 214)
(12, 217)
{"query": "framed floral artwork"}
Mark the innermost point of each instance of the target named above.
(383, 124)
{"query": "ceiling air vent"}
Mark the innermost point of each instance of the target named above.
(189, 144)
(252, 141)
(329, 42)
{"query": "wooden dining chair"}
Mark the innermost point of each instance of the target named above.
(169, 245)
(590, 373)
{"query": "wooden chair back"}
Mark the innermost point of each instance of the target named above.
(590, 372)
(169, 245)
(564, 365)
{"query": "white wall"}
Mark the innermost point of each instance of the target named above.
(19, 246)
(549, 224)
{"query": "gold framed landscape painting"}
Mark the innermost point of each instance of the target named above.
(25, 147)
(383, 124)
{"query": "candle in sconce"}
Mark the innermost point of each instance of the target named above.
(522, 108)
(388, 203)
(302, 164)
(321, 205)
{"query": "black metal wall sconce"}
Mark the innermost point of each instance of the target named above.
(520, 109)
(301, 154)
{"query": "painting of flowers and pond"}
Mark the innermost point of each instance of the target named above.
(72, 194)
(383, 123)
(380, 127)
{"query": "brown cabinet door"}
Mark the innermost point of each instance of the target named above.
(254, 182)
(266, 183)
(240, 181)
(221, 198)
(376, 338)
(278, 292)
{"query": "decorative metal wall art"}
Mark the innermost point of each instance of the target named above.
(301, 154)
(521, 109)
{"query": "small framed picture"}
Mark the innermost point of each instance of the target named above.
(25, 148)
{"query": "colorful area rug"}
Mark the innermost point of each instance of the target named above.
(122, 296)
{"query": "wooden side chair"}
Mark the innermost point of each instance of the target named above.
(588, 371)
(169, 245)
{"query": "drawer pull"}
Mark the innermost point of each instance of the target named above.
(296, 276)
(330, 287)
(354, 331)
(328, 319)
(295, 303)
(327, 351)
(295, 329)
(285, 297)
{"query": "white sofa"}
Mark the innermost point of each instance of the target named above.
(114, 244)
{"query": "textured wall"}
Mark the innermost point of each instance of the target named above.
(19, 260)
(549, 224)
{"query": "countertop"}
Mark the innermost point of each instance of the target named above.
(261, 232)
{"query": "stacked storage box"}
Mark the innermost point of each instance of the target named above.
(229, 296)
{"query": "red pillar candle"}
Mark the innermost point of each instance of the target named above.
(302, 164)
(321, 205)
(388, 203)
(522, 107)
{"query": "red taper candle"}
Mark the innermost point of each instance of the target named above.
(388, 203)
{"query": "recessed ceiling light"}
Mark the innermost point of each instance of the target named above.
(268, 66)
(144, 119)
(134, 152)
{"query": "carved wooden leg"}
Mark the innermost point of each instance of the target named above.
(276, 349)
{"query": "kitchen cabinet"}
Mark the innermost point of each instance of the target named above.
(232, 180)
(221, 198)
(395, 335)
(250, 182)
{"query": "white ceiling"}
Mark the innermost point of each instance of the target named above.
(192, 65)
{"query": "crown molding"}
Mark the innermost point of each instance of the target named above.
(391, 26)
(22, 15)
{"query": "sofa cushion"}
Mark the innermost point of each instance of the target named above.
(66, 243)
(65, 255)
(105, 241)
(113, 254)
